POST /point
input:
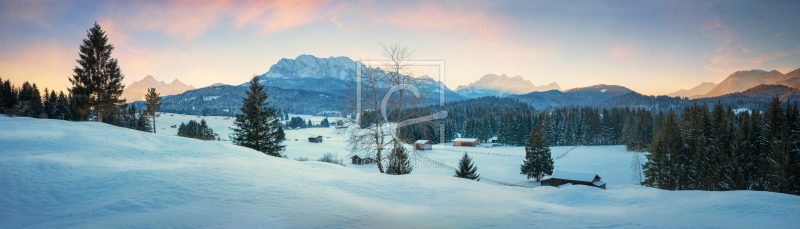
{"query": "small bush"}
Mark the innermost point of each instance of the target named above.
(301, 159)
(331, 158)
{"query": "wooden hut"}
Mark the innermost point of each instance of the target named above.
(360, 161)
(317, 139)
(423, 145)
(10, 112)
(563, 177)
(470, 142)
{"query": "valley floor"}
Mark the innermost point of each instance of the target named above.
(92, 175)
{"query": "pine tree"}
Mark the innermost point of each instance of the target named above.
(52, 105)
(399, 162)
(63, 107)
(36, 106)
(10, 95)
(153, 104)
(660, 170)
(467, 169)
(97, 82)
(538, 161)
(256, 127)
(143, 123)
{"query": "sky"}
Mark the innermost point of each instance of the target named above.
(652, 47)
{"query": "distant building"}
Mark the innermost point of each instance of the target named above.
(470, 142)
(360, 161)
(10, 112)
(423, 145)
(340, 125)
(560, 178)
(493, 140)
(317, 139)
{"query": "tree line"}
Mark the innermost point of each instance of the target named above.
(718, 149)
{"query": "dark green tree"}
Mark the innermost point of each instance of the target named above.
(153, 104)
(97, 80)
(467, 169)
(538, 161)
(256, 127)
(399, 162)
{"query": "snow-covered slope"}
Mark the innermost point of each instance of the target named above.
(502, 85)
(57, 174)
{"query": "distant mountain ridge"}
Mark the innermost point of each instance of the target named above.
(697, 91)
(137, 90)
(585, 96)
(502, 86)
(742, 80)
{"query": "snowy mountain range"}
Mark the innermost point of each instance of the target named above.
(328, 75)
(502, 86)
(137, 90)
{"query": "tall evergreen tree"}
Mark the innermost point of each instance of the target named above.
(660, 170)
(256, 126)
(153, 104)
(36, 106)
(538, 161)
(467, 169)
(97, 80)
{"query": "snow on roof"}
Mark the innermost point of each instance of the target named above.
(565, 185)
(493, 138)
(599, 183)
(421, 142)
(465, 139)
(586, 177)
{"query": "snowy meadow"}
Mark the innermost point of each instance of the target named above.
(93, 175)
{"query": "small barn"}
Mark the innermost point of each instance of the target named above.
(340, 125)
(493, 140)
(360, 161)
(423, 145)
(317, 139)
(470, 142)
(560, 178)
(10, 112)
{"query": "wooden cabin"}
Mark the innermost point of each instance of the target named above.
(360, 161)
(493, 140)
(423, 145)
(10, 112)
(469, 142)
(317, 139)
(560, 178)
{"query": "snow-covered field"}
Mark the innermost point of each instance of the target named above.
(92, 175)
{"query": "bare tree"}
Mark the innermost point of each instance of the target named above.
(377, 109)
(636, 166)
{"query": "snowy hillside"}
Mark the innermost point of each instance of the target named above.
(92, 175)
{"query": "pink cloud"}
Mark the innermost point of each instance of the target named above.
(619, 52)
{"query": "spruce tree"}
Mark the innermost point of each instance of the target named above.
(97, 80)
(538, 161)
(256, 127)
(36, 106)
(467, 169)
(62, 107)
(153, 104)
(52, 105)
(660, 170)
(399, 162)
